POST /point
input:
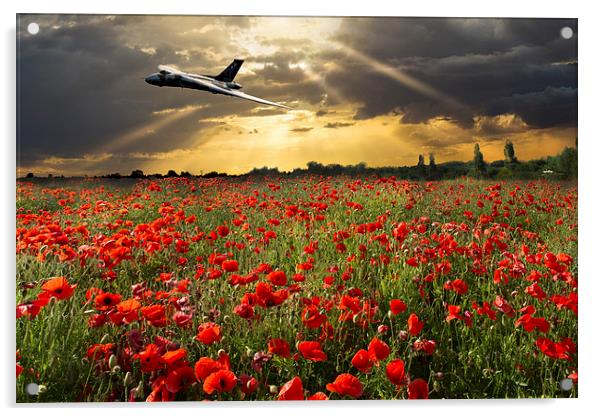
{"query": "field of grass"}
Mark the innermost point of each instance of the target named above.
(305, 288)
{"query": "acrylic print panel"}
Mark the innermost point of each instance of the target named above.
(274, 208)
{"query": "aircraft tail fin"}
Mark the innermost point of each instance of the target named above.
(228, 74)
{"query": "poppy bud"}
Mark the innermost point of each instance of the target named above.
(112, 361)
(382, 329)
(226, 318)
(127, 380)
(104, 339)
(403, 335)
(439, 375)
(273, 389)
(356, 318)
(140, 390)
(390, 314)
(115, 369)
(514, 293)
(221, 352)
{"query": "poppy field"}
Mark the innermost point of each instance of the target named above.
(295, 288)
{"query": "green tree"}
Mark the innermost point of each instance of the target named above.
(421, 167)
(509, 156)
(478, 161)
(432, 169)
(137, 173)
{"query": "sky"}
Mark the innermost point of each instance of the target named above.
(376, 90)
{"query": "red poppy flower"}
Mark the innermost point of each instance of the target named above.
(361, 361)
(220, 381)
(458, 285)
(223, 231)
(179, 379)
(559, 351)
(318, 396)
(172, 357)
(277, 278)
(501, 304)
(312, 350)
(397, 306)
(244, 310)
(150, 359)
(155, 314)
(209, 333)
(396, 372)
(485, 310)
(378, 350)
(205, 366)
(346, 385)
(100, 351)
(247, 383)
(182, 319)
(412, 261)
(418, 389)
(106, 301)
(454, 312)
(59, 288)
(267, 297)
(535, 291)
(414, 324)
(311, 317)
(279, 347)
(230, 266)
(428, 346)
(292, 390)
(129, 309)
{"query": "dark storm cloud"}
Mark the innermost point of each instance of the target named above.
(491, 66)
(81, 81)
(301, 129)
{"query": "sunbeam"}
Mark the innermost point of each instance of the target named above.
(321, 81)
(164, 118)
(401, 77)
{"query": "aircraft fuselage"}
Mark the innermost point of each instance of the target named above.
(162, 79)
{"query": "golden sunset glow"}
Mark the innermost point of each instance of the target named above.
(355, 98)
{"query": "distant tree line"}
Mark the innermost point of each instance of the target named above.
(562, 166)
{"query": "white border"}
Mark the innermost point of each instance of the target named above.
(590, 94)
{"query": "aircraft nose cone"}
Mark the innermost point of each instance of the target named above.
(152, 79)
